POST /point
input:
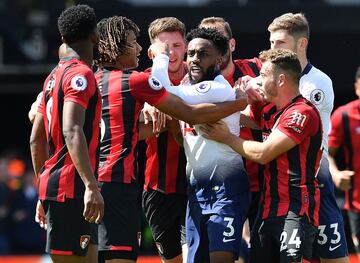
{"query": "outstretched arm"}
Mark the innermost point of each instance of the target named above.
(260, 152)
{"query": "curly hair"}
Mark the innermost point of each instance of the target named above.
(113, 33)
(77, 23)
(219, 40)
(284, 60)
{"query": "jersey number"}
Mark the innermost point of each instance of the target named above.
(49, 105)
(231, 231)
(323, 238)
(294, 239)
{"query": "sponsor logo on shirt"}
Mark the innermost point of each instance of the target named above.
(155, 83)
(317, 96)
(79, 83)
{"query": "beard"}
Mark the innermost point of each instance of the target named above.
(96, 52)
(226, 60)
(209, 74)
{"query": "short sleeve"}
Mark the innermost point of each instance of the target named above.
(39, 103)
(146, 89)
(79, 85)
(336, 135)
(299, 123)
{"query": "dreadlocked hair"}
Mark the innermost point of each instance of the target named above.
(113, 33)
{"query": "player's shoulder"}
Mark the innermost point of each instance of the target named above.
(318, 78)
(243, 61)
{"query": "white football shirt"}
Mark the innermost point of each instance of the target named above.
(317, 87)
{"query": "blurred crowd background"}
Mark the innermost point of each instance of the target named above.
(29, 42)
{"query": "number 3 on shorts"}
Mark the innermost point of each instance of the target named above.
(231, 232)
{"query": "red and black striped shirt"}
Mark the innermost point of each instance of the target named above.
(165, 163)
(290, 183)
(72, 80)
(345, 133)
(123, 94)
(255, 171)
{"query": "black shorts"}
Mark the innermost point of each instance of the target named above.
(119, 232)
(254, 207)
(282, 239)
(166, 216)
(68, 232)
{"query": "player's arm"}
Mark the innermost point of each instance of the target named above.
(341, 178)
(260, 152)
(38, 144)
(73, 122)
(200, 113)
(174, 128)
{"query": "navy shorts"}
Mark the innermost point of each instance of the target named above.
(215, 225)
(330, 242)
(166, 216)
(119, 233)
(68, 232)
(282, 239)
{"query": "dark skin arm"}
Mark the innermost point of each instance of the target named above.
(200, 113)
(38, 144)
(73, 122)
(39, 154)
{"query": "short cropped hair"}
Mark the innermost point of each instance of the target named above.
(357, 75)
(165, 24)
(217, 20)
(284, 61)
(295, 24)
(77, 23)
(219, 40)
(113, 33)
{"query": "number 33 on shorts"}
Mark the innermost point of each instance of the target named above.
(334, 238)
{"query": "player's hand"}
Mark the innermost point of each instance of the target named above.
(157, 117)
(218, 131)
(93, 205)
(158, 48)
(342, 179)
(40, 216)
(34, 107)
(249, 85)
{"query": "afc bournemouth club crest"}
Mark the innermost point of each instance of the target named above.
(84, 241)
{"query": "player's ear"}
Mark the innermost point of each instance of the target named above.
(281, 79)
(232, 44)
(219, 61)
(302, 43)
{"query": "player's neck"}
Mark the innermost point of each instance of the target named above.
(82, 50)
(229, 69)
(177, 75)
(303, 61)
(285, 98)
